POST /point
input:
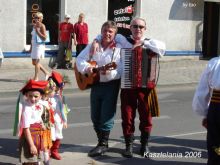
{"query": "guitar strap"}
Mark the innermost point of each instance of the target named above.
(113, 54)
(90, 57)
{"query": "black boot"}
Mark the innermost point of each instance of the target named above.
(144, 143)
(102, 145)
(128, 153)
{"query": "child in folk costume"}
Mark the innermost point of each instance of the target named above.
(60, 117)
(31, 124)
(49, 92)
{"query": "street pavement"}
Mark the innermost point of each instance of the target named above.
(176, 70)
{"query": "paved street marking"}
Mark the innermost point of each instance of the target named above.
(180, 135)
(84, 124)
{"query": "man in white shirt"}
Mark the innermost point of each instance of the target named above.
(137, 99)
(206, 103)
(104, 94)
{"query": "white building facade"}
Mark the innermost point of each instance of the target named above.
(179, 23)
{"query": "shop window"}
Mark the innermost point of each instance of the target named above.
(121, 11)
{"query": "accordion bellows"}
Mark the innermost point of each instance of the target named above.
(139, 68)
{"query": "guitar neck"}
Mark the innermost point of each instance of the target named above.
(95, 70)
(109, 66)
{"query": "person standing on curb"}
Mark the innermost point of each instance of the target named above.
(80, 34)
(65, 39)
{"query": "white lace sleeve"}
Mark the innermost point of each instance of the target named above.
(156, 46)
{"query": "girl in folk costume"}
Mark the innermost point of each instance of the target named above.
(31, 124)
(49, 92)
(60, 117)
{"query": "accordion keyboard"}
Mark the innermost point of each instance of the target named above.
(126, 80)
(139, 68)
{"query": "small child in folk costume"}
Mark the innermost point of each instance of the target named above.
(31, 124)
(49, 92)
(60, 117)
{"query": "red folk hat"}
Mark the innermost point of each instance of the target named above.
(57, 78)
(33, 85)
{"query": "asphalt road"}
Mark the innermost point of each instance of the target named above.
(177, 136)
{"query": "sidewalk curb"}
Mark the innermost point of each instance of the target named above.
(177, 70)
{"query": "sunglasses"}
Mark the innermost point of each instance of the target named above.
(36, 18)
(138, 26)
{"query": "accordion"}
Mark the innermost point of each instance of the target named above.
(139, 68)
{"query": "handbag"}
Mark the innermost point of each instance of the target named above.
(40, 41)
(68, 56)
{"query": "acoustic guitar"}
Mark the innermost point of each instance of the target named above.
(84, 81)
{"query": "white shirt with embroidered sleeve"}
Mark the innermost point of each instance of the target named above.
(156, 46)
(31, 114)
(82, 58)
(102, 58)
(208, 82)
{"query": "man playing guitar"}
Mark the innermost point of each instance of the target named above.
(104, 94)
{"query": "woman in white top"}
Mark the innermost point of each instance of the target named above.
(37, 50)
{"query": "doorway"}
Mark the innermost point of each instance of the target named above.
(51, 12)
(210, 30)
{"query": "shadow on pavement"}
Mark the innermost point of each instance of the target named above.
(12, 80)
(9, 147)
(186, 151)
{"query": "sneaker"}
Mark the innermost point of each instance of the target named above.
(67, 66)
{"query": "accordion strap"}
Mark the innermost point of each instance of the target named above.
(113, 54)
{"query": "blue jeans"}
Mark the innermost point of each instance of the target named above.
(103, 101)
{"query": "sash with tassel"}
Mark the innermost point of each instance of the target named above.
(61, 108)
(65, 107)
(152, 103)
